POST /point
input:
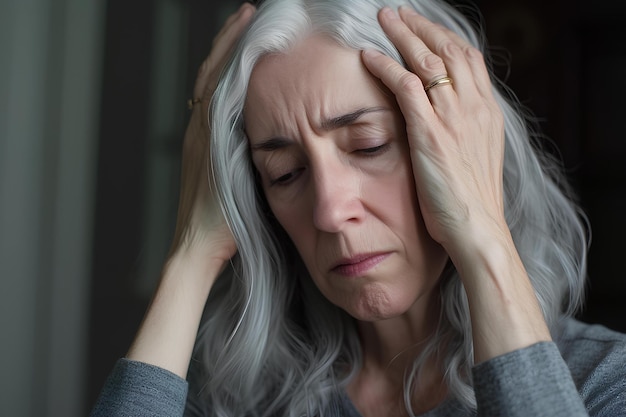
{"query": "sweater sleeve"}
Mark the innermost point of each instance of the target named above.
(139, 389)
(596, 356)
(534, 381)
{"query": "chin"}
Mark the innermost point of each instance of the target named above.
(374, 302)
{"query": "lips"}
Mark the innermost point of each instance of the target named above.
(359, 264)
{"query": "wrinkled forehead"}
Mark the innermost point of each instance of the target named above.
(313, 81)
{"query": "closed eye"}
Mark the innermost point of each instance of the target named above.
(287, 178)
(375, 150)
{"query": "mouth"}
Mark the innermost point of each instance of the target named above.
(358, 265)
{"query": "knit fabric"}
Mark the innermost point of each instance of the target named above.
(581, 373)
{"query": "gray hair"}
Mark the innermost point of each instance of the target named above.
(270, 343)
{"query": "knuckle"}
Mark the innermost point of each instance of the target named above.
(449, 49)
(410, 82)
(474, 54)
(432, 62)
(488, 115)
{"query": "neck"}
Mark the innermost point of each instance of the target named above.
(394, 343)
(390, 348)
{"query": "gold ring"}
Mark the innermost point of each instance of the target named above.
(438, 82)
(192, 102)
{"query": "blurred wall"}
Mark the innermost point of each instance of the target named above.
(50, 54)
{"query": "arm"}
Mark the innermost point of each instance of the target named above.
(203, 244)
(202, 247)
(456, 136)
(138, 389)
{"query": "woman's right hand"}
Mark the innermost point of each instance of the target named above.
(201, 230)
(202, 244)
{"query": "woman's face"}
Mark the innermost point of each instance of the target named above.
(330, 146)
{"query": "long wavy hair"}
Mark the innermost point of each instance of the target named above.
(270, 344)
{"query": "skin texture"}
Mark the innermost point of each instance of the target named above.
(346, 191)
(378, 183)
(456, 136)
(338, 196)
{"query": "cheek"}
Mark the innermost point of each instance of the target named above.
(295, 220)
(393, 200)
(392, 194)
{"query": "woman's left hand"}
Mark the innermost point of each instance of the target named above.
(455, 132)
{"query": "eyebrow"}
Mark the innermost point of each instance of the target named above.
(347, 119)
(272, 144)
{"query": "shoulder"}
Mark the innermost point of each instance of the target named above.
(596, 357)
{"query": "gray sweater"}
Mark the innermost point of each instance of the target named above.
(582, 373)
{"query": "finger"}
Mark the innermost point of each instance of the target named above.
(418, 56)
(222, 46)
(465, 63)
(232, 17)
(231, 30)
(405, 85)
(220, 51)
(476, 62)
(444, 47)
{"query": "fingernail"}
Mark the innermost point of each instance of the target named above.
(246, 9)
(245, 6)
(389, 14)
(371, 53)
(408, 10)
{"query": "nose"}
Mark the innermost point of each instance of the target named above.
(337, 197)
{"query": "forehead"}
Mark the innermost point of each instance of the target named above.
(316, 80)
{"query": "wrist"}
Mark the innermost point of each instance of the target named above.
(504, 309)
(481, 243)
(168, 333)
(193, 267)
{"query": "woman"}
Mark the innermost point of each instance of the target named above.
(377, 235)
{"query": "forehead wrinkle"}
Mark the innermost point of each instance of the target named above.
(348, 119)
(287, 107)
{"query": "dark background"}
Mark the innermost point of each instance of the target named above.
(565, 61)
